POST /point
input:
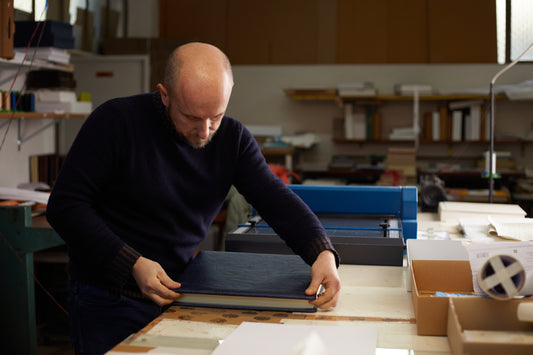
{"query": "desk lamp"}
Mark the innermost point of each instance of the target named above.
(492, 156)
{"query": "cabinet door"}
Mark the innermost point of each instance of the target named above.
(105, 77)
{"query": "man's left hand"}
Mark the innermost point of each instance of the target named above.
(324, 272)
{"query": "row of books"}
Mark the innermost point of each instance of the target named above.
(461, 121)
(16, 101)
(43, 100)
(362, 125)
(45, 167)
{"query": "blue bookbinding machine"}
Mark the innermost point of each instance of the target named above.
(366, 224)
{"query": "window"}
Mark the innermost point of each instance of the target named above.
(520, 34)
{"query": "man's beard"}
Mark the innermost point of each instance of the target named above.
(192, 139)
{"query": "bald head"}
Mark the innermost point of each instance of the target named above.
(196, 91)
(199, 62)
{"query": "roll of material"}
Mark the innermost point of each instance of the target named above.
(502, 277)
(525, 312)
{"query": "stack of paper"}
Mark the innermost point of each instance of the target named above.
(452, 211)
(520, 229)
(356, 89)
(46, 54)
(409, 89)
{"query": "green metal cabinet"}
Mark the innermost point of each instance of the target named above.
(21, 236)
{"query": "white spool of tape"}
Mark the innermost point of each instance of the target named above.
(502, 277)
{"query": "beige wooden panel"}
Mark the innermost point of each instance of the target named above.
(248, 28)
(194, 20)
(462, 31)
(407, 40)
(362, 31)
(293, 33)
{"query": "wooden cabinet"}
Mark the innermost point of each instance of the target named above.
(340, 31)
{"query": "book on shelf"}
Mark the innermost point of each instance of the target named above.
(373, 123)
(431, 131)
(457, 126)
(354, 123)
(246, 281)
(445, 124)
(45, 167)
(435, 124)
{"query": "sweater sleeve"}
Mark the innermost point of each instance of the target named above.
(72, 208)
(283, 210)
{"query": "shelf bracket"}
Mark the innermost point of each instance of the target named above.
(21, 139)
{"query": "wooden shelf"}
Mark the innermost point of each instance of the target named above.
(312, 94)
(41, 115)
(19, 116)
(374, 141)
(331, 94)
(411, 141)
(453, 97)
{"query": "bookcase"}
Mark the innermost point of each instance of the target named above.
(387, 113)
(382, 109)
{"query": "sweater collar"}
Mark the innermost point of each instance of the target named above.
(162, 115)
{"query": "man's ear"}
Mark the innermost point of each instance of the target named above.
(164, 94)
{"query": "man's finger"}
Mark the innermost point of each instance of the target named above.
(168, 282)
(327, 300)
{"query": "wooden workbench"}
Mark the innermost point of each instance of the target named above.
(371, 296)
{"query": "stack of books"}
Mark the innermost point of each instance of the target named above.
(44, 55)
(357, 89)
(403, 133)
(402, 160)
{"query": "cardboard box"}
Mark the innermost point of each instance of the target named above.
(429, 276)
(420, 249)
(487, 326)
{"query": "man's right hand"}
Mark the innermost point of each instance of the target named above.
(154, 282)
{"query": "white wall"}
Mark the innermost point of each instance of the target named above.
(258, 98)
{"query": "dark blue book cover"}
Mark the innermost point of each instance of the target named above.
(246, 280)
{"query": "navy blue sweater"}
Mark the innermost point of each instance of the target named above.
(131, 186)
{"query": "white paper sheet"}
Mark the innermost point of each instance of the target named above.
(285, 339)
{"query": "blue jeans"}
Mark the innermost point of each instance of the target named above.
(101, 319)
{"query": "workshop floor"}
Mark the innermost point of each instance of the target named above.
(52, 321)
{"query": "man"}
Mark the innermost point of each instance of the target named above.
(143, 181)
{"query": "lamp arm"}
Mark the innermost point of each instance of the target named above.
(491, 146)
